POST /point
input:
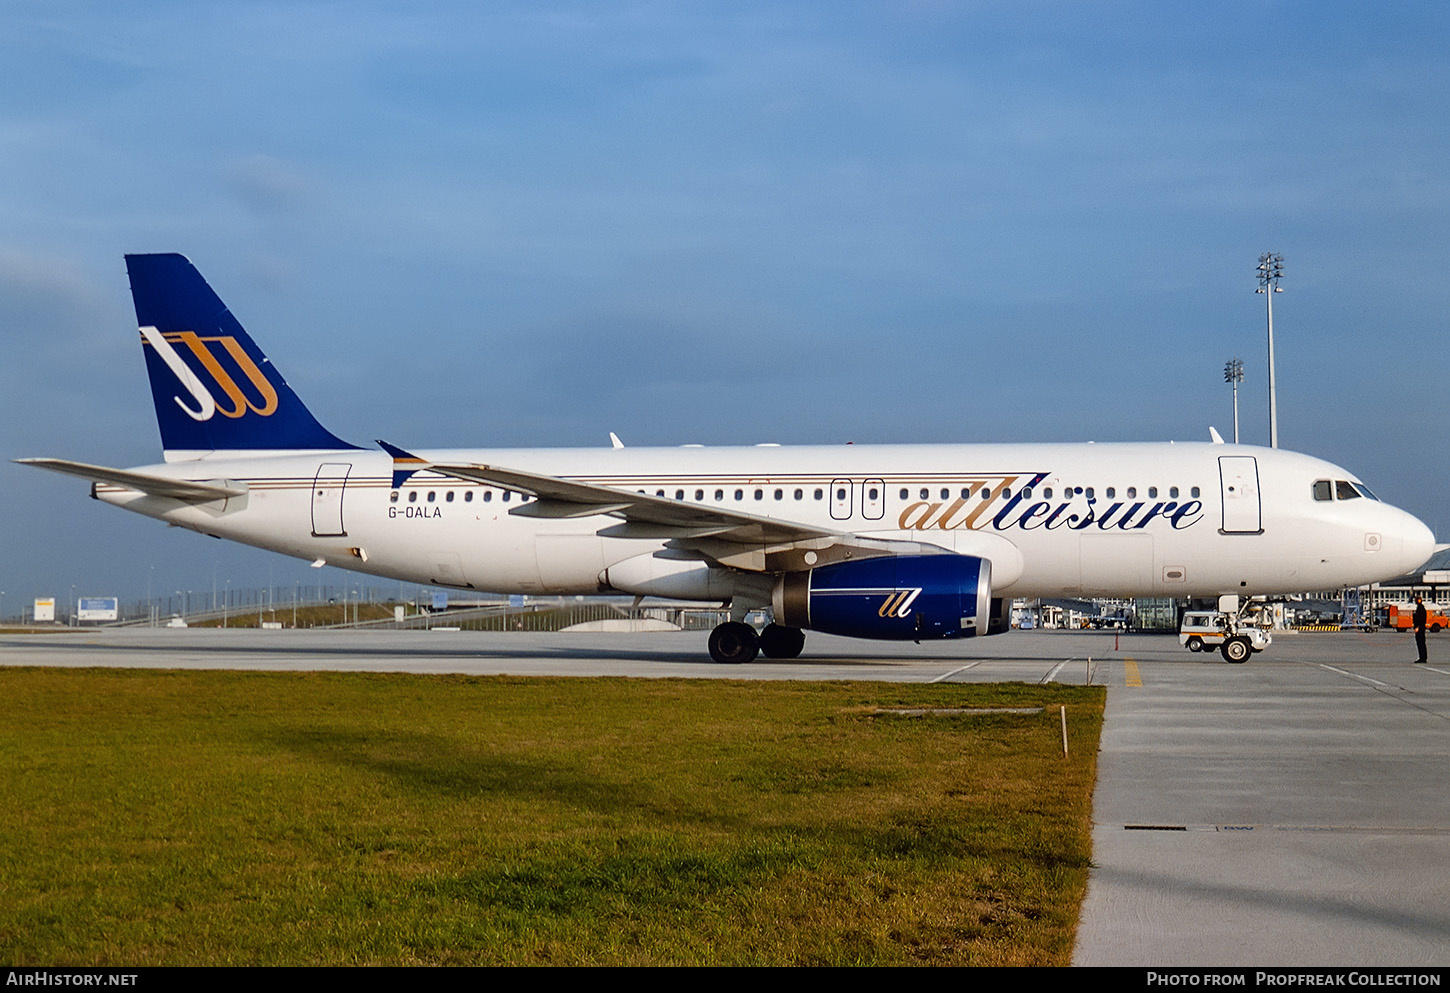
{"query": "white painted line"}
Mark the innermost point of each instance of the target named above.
(1354, 675)
(961, 668)
(1053, 674)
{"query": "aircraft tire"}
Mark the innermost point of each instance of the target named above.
(780, 642)
(733, 643)
(1237, 650)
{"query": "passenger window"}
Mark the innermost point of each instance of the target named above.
(905, 493)
(800, 494)
(699, 495)
(506, 495)
(448, 496)
(1193, 492)
(1111, 492)
(413, 496)
(1173, 493)
(719, 494)
(760, 494)
(488, 496)
(1152, 493)
(780, 494)
(925, 493)
(679, 494)
(1344, 490)
(1090, 493)
(1047, 493)
(431, 496)
(1132, 492)
(820, 493)
(740, 494)
(946, 494)
(394, 497)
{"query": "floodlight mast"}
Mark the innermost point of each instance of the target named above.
(1233, 372)
(1271, 270)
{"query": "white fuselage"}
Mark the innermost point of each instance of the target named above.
(1097, 519)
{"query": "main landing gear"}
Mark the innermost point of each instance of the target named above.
(735, 642)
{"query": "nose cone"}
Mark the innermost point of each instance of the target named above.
(1411, 542)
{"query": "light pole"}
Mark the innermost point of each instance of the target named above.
(1233, 372)
(1271, 270)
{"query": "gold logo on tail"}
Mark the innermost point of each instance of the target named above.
(207, 404)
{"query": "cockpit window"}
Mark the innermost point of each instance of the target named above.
(1344, 490)
(1365, 490)
(1322, 490)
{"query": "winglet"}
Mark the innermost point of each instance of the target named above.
(404, 463)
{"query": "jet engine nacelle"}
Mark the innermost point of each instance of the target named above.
(904, 597)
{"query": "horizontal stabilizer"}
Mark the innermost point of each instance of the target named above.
(191, 491)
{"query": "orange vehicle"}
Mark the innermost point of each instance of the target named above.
(1402, 617)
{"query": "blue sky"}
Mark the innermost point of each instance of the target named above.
(532, 224)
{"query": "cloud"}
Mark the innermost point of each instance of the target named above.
(268, 185)
(44, 300)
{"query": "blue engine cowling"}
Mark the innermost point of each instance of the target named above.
(906, 597)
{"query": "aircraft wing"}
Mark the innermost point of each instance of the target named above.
(652, 516)
(691, 530)
(188, 490)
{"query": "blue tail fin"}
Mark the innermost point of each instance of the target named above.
(214, 389)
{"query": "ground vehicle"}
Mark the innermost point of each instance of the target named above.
(1401, 617)
(1208, 629)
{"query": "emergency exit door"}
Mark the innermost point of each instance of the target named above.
(1239, 487)
(327, 492)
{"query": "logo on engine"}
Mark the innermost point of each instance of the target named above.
(898, 602)
(212, 355)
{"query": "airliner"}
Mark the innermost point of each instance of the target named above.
(906, 542)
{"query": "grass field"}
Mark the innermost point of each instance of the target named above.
(167, 818)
